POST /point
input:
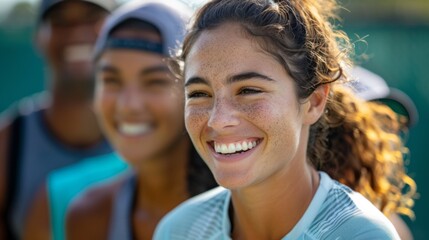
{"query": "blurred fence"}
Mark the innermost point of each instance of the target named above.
(21, 70)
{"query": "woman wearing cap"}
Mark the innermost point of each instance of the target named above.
(274, 127)
(139, 104)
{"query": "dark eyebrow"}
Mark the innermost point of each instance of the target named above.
(245, 76)
(195, 80)
(230, 80)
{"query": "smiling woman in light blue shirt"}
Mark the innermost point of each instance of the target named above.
(262, 109)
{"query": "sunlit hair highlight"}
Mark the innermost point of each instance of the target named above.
(357, 143)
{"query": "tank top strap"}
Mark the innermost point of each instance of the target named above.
(120, 223)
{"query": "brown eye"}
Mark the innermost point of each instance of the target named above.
(197, 94)
(110, 81)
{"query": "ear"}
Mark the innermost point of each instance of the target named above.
(317, 102)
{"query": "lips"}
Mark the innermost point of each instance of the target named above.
(134, 129)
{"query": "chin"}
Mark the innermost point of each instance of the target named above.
(232, 181)
(132, 159)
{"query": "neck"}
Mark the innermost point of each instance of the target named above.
(161, 186)
(162, 182)
(272, 208)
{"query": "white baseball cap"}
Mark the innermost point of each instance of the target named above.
(373, 87)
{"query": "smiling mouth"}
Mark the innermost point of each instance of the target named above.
(235, 147)
(134, 129)
(78, 53)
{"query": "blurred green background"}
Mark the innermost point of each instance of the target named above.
(397, 48)
(397, 45)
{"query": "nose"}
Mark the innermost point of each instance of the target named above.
(223, 115)
(82, 33)
(130, 100)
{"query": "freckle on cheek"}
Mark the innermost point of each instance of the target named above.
(257, 113)
(194, 119)
(268, 119)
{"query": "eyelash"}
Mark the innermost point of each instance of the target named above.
(197, 94)
(248, 91)
(243, 91)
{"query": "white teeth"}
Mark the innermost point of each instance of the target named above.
(244, 146)
(233, 147)
(78, 52)
(238, 147)
(223, 148)
(133, 129)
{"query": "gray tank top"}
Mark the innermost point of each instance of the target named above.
(120, 222)
(40, 154)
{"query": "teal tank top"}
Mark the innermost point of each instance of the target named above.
(66, 184)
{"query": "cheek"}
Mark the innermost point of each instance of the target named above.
(172, 113)
(195, 119)
(55, 45)
(104, 103)
(276, 120)
(285, 130)
(168, 103)
(261, 114)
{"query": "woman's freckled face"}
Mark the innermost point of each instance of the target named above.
(235, 92)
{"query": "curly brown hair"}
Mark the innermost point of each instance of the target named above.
(354, 142)
(357, 143)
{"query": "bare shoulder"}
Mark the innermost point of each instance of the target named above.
(89, 215)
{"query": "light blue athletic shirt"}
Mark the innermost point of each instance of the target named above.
(68, 183)
(40, 154)
(336, 212)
